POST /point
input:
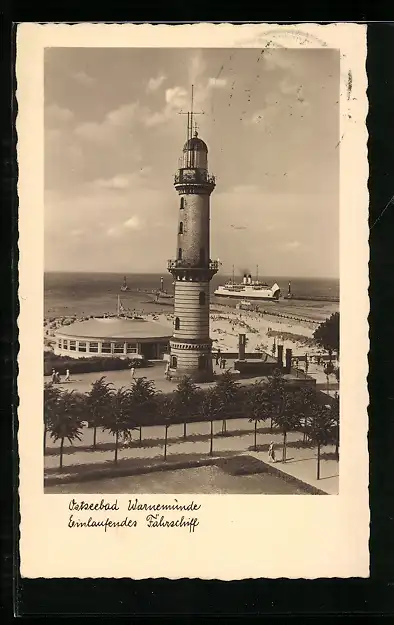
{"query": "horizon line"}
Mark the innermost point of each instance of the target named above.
(153, 273)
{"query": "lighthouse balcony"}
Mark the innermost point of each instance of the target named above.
(212, 265)
(194, 176)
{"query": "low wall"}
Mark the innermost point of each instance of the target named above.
(257, 367)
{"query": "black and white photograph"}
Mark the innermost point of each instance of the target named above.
(193, 287)
(191, 302)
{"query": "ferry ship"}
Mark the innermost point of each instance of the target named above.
(249, 289)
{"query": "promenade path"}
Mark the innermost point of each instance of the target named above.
(301, 459)
(82, 381)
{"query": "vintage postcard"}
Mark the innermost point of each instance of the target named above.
(193, 238)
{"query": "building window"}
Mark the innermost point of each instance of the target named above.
(181, 227)
(59, 343)
(131, 348)
(177, 323)
(93, 347)
(180, 253)
(201, 298)
(82, 346)
(174, 362)
(118, 348)
(65, 343)
(106, 348)
(73, 346)
(182, 202)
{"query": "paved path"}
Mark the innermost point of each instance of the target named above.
(301, 460)
(82, 381)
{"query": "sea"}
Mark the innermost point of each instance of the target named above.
(81, 294)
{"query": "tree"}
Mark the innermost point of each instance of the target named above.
(305, 400)
(169, 412)
(320, 430)
(276, 391)
(327, 334)
(116, 419)
(258, 405)
(66, 421)
(283, 400)
(335, 409)
(227, 389)
(141, 400)
(51, 407)
(97, 403)
(210, 406)
(185, 396)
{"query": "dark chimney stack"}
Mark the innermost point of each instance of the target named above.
(289, 356)
(241, 346)
(280, 356)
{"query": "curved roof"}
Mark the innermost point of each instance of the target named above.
(115, 328)
(195, 143)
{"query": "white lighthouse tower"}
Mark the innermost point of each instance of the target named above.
(192, 269)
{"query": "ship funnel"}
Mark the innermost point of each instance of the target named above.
(249, 279)
(245, 280)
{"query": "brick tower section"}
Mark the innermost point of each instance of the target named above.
(192, 269)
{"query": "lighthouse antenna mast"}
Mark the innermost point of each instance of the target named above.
(190, 115)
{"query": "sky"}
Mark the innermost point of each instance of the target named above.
(113, 137)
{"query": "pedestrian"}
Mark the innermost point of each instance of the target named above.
(167, 370)
(58, 380)
(271, 452)
(223, 363)
(217, 358)
(132, 372)
(67, 378)
(53, 376)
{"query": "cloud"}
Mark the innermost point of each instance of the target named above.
(176, 97)
(279, 59)
(77, 232)
(134, 223)
(155, 83)
(291, 245)
(121, 182)
(116, 120)
(118, 230)
(123, 115)
(117, 182)
(217, 83)
(244, 189)
(58, 114)
(114, 231)
(84, 79)
(197, 67)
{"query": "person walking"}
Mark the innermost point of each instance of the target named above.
(271, 452)
(53, 375)
(132, 372)
(223, 363)
(167, 370)
(67, 378)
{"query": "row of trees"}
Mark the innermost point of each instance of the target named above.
(125, 411)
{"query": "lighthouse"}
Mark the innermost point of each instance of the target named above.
(192, 267)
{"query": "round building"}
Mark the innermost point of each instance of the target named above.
(113, 337)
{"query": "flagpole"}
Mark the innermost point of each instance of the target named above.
(118, 306)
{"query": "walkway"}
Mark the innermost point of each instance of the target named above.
(301, 459)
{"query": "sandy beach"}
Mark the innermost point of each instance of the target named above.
(290, 324)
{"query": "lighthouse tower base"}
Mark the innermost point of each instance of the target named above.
(191, 359)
